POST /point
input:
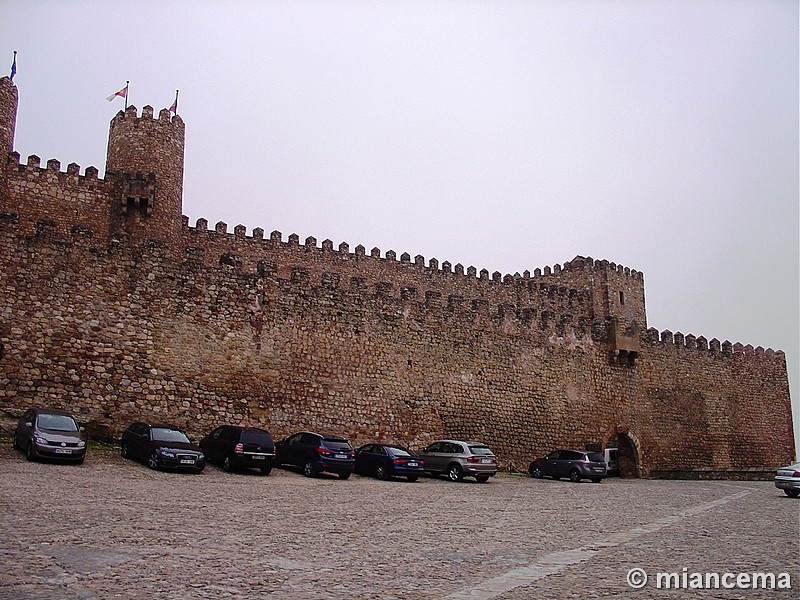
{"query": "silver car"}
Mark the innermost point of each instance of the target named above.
(788, 480)
(459, 459)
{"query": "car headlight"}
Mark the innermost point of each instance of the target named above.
(42, 441)
(168, 454)
(81, 444)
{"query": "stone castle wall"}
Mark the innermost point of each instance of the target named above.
(130, 333)
(113, 307)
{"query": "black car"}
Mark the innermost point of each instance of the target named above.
(161, 447)
(575, 464)
(385, 461)
(315, 453)
(234, 448)
(50, 433)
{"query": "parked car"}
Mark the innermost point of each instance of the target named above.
(459, 459)
(234, 448)
(50, 433)
(161, 447)
(316, 453)
(385, 461)
(788, 480)
(611, 456)
(575, 464)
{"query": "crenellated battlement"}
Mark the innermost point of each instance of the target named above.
(130, 118)
(32, 170)
(692, 343)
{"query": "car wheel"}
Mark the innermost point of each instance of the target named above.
(30, 453)
(535, 471)
(482, 478)
(792, 493)
(411, 478)
(454, 473)
(200, 468)
(309, 470)
(575, 475)
(266, 470)
(381, 473)
(227, 465)
(344, 475)
(152, 462)
(124, 450)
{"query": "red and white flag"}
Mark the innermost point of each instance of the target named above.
(123, 93)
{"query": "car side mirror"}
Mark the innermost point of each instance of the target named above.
(28, 424)
(81, 429)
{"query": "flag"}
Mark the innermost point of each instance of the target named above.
(174, 107)
(123, 93)
(14, 66)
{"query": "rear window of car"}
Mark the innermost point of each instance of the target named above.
(595, 457)
(481, 450)
(399, 451)
(336, 446)
(262, 438)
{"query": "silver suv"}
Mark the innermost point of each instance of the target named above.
(459, 459)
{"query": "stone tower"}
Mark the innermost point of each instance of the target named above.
(8, 119)
(145, 163)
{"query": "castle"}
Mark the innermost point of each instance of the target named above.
(114, 307)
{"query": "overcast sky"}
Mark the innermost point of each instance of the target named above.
(512, 135)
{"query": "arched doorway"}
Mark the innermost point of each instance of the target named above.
(628, 456)
(627, 451)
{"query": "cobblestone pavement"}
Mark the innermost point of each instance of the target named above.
(114, 529)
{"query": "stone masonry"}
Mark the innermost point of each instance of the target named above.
(114, 307)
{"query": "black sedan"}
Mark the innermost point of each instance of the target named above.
(385, 461)
(162, 447)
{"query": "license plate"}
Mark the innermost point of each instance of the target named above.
(486, 460)
(341, 456)
(63, 451)
(413, 464)
(187, 461)
(258, 457)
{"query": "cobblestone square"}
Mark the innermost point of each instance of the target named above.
(114, 529)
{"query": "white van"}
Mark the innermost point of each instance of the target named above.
(612, 461)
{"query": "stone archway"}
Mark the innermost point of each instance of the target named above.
(628, 456)
(627, 446)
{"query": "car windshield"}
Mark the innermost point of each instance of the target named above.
(57, 422)
(481, 450)
(595, 457)
(163, 434)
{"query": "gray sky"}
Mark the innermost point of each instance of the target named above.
(510, 135)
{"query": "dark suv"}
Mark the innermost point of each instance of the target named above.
(234, 448)
(315, 453)
(575, 464)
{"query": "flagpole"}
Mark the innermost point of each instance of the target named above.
(127, 83)
(176, 102)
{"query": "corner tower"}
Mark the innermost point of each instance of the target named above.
(145, 163)
(9, 100)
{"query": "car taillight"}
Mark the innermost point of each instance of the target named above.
(324, 452)
(239, 448)
(796, 474)
(352, 454)
(398, 461)
(473, 459)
